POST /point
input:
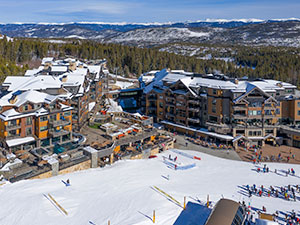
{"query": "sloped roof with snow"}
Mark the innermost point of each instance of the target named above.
(241, 86)
(28, 96)
(23, 83)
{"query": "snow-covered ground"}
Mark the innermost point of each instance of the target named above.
(123, 84)
(123, 192)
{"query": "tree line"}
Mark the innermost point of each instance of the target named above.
(255, 62)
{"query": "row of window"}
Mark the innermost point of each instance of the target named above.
(267, 112)
(54, 117)
(11, 133)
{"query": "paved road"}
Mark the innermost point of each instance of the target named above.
(181, 144)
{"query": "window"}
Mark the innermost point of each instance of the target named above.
(53, 117)
(43, 118)
(259, 112)
(214, 102)
(298, 104)
(68, 113)
(25, 107)
(43, 128)
(298, 112)
(28, 121)
(213, 109)
(12, 123)
(28, 131)
(277, 111)
(161, 105)
(12, 133)
(214, 91)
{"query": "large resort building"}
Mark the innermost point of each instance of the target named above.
(44, 106)
(222, 109)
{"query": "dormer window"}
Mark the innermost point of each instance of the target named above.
(25, 107)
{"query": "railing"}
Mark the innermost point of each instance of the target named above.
(194, 102)
(12, 137)
(194, 120)
(55, 133)
(13, 127)
(193, 109)
(294, 130)
(170, 103)
(239, 116)
(57, 123)
(219, 125)
(239, 107)
(170, 115)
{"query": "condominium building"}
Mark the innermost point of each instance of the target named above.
(74, 82)
(223, 109)
(31, 119)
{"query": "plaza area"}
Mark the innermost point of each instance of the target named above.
(270, 153)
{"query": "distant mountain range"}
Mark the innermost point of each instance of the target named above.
(281, 32)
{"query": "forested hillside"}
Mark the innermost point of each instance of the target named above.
(265, 62)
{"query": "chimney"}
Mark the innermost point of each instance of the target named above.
(236, 81)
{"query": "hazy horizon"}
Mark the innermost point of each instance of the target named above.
(134, 11)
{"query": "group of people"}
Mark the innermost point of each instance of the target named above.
(288, 193)
(265, 169)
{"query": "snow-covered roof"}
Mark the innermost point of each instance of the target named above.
(158, 77)
(7, 166)
(211, 83)
(28, 96)
(47, 59)
(33, 71)
(55, 68)
(24, 83)
(91, 105)
(189, 81)
(113, 106)
(13, 114)
(95, 69)
(90, 149)
(19, 141)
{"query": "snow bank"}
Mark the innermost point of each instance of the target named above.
(113, 106)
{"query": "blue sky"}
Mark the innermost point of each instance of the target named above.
(143, 10)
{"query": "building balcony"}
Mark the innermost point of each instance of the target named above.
(152, 108)
(219, 125)
(239, 107)
(269, 116)
(56, 123)
(170, 104)
(13, 137)
(59, 133)
(194, 120)
(170, 114)
(255, 117)
(195, 102)
(239, 116)
(170, 99)
(192, 109)
(13, 127)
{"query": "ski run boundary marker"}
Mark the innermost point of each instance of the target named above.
(186, 154)
(167, 195)
(58, 205)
